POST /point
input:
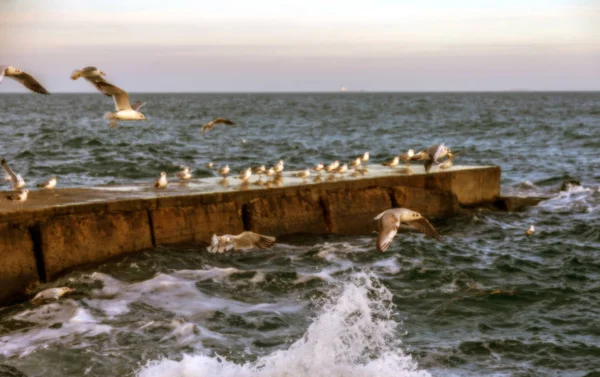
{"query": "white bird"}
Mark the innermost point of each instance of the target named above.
(407, 156)
(318, 168)
(332, 168)
(432, 155)
(49, 184)
(27, 80)
(162, 181)
(389, 222)
(303, 174)
(449, 162)
(93, 75)
(392, 163)
(342, 169)
(210, 125)
(365, 157)
(15, 179)
(125, 110)
(21, 196)
(260, 170)
(246, 174)
(51, 294)
(356, 164)
(243, 241)
(209, 165)
(270, 172)
(184, 174)
(279, 167)
(224, 171)
(530, 231)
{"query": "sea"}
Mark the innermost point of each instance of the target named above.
(487, 302)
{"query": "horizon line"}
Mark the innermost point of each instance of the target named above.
(360, 91)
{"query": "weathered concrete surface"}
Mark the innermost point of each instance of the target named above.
(17, 261)
(73, 240)
(195, 224)
(71, 227)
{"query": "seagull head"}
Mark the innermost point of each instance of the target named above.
(163, 174)
(10, 70)
(102, 73)
(411, 152)
(142, 116)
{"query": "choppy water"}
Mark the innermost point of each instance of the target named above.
(487, 302)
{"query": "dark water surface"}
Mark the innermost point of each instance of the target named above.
(488, 302)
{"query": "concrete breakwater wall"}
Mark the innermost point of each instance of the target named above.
(57, 230)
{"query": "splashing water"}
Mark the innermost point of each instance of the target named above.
(354, 335)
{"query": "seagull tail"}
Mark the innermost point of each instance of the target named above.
(110, 116)
(76, 74)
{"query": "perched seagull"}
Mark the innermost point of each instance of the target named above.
(407, 156)
(356, 164)
(93, 75)
(209, 126)
(392, 163)
(365, 157)
(246, 174)
(224, 171)
(332, 168)
(49, 184)
(449, 162)
(51, 294)
(125, 110)
(318, 168)
(342, 169)
(260, 170)
(243, 241)
(431, 155)
(16, 179)
(389, 222)
(303, 174)
(27, 80)
(209, 165)
(270, 172)
(279, 167)
(20, 197)
(162, 181)
(184, 174)
(530, 231)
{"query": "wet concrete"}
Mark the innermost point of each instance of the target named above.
(57, 230)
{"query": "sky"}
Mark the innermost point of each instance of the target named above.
(278, 45)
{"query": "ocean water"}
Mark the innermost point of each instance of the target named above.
(488, 302)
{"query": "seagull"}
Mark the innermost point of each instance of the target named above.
(431, 155)
(49, 184)
(246, 174)
(243, 241)
(332, 168)
(356, 164)
(389, 222)
(184, 174)
(162, 181)
(27, 80)
(16, 179)
(92, 75)
(407, 156)
(530, 231)
(270, 172)
(318, 168)
(260, 170)
(449, 162)
(279, 167)
(392, 163)
(125, 110)
(21, 196)
(209, 126)
(365, 157)
(209, 165)
(303, 174)
(224, 171)
(342, 169)
(51, 294)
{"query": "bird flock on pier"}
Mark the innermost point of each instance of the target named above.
(389, 221)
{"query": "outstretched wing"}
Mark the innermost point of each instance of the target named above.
(388, 227)
(224, 121)
(30, 83)
(2, 70)
(424, 226)
(120, 97)
(251, 240)
(138, 105)
(97, 82)
(14, 178)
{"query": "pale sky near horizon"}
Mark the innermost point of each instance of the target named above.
(271, 45)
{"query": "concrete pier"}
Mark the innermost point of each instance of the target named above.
(55, 231)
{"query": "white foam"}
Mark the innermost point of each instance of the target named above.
(354, 335)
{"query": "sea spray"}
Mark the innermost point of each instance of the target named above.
(354, 334)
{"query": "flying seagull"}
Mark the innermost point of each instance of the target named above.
(389, 222)
(125, 111)
(16, 179)
(530, 231)
(243, 241)
(92, 75)
(27, 80)
(51, 294)
(431, 155)
(209, 126)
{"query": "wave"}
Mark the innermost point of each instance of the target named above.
(355, 334)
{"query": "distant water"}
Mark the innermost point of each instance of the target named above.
(488, 302)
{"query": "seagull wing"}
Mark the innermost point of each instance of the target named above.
(30, 83)
(120, 96)
(14, 178)
(97, 82)
(251, 240)
(138, 105)
(224, 121)
(436, 155)
(2, 70)
(388, 227)
(424, 226)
